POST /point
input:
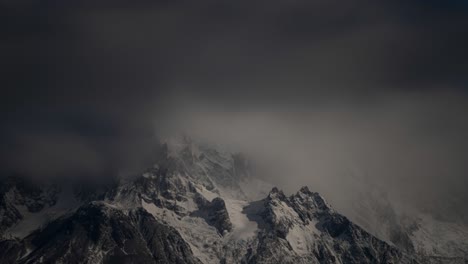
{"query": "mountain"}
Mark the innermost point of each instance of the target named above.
(196, 204)
(438, 240)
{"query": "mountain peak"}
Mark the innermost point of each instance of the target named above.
(276, 193)
(310, 200)
(304, 189)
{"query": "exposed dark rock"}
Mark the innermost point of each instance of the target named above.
(214, 213)
(100, 233)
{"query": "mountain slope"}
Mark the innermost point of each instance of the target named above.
(100, 233)
(412, 232)
(195, 205)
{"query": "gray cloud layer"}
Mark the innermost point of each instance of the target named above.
(331, 88)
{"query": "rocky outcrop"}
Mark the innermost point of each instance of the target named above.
(303, 228)
(214, 213)
(20, 195)
(100, 233)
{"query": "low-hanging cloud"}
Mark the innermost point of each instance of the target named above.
(410, 146)
(329, 90)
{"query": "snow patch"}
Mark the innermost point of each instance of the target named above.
(202, 238)
(66, 202)
(301, 238)
(243, 228)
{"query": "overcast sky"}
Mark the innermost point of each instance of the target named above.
(332, 88)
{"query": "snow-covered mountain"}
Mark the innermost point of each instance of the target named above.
(195, 205)
(413, 232)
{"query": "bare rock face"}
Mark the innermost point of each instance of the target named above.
(214, 213)
(99, 233)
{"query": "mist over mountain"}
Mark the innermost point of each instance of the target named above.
(197, 204)
(363, 102)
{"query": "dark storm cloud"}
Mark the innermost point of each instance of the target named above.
(86, 84)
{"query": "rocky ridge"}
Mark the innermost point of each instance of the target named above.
(195, 205)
